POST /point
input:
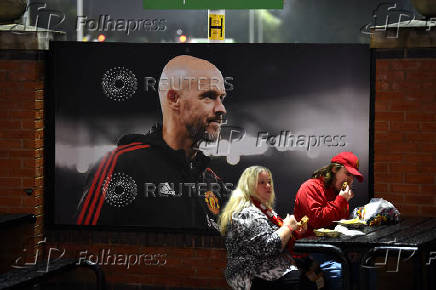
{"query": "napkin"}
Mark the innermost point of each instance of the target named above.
(346, 232)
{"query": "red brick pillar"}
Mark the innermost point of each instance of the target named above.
(405, 134)
(21, 139)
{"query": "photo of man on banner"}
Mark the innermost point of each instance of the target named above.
(161, 179)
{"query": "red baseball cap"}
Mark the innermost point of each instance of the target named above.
(350, 162)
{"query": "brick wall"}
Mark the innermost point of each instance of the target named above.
(159, 266)
(21, 137)
(405, 172)
(191, 260)
(21, 134)
(405, 134)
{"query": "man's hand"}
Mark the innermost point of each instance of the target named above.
(346, 193)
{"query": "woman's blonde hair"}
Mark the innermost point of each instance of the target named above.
(240, 197)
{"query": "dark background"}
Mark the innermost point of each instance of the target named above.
(303, 88)
(308, 21)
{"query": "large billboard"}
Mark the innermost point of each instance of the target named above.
(288, 107)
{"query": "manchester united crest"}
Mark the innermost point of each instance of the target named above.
(212, 202)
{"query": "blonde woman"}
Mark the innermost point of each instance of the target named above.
(256, 237)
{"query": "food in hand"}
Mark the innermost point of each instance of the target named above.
(303, 221)
(344, 185)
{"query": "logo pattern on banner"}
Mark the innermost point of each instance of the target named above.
(212, 202)
(165, 189)
(120, 189)
(119, 84)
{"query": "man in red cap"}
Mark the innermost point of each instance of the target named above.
(324, 199)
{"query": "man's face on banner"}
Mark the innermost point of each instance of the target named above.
(202, 108)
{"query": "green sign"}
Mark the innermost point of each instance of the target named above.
(213, 4)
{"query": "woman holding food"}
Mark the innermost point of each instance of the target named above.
(324, 198)
(258, 241)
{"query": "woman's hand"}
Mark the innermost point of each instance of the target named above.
(285, 231)
(302, 228)
(291, 222)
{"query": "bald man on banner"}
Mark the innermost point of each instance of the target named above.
(161, 179)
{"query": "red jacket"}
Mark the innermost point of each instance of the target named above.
(322, 206)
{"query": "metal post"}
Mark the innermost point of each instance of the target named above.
(26, 16)
(79, 13)
(251, 26)
(259, 26)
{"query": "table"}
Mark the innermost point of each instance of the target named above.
(29, 277)
(7, 220)
(412, 238)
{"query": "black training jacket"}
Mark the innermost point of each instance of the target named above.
(143, 182)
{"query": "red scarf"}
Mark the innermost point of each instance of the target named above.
(275, 218)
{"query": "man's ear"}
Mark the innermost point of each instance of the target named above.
(173, 99)
(334, 170)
